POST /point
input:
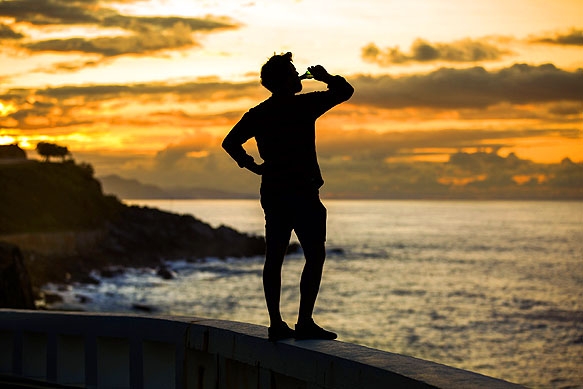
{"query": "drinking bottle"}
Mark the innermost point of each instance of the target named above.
(306, 75)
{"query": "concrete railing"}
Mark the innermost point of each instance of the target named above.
(98, 350)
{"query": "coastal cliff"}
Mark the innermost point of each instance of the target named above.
(58, 216)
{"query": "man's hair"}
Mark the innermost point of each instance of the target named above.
(274, 71)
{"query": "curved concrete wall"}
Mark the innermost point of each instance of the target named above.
(131, 351)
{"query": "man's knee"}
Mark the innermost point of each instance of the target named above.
(315, 253)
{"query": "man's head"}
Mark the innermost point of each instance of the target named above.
(279, 75)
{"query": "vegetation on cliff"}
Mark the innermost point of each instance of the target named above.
(42, 197)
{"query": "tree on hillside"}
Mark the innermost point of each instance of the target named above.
(48, 150)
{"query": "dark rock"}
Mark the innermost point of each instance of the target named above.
(294, 248)
(143, 308)
(52, 298)
(111, 272)
(143, 235)
(15, 286)
(88, 279)
(165, 273)
(336, 251)
(82, 298)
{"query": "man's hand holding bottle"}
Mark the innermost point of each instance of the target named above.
(317, 73)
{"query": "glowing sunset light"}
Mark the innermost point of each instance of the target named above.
(7, 140)
(134, 80)
(6, 109)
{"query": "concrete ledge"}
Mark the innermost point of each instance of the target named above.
(134, 351)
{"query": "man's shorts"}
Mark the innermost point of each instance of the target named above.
(302, 212)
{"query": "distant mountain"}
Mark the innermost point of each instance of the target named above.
(134, 189)
(131, 189)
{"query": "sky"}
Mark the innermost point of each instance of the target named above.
(147, 89)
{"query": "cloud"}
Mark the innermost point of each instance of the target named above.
(60, 106)
(70, 66)
(573, 37)
(140, 24)
(174, 153)
(567, 109)
(470, 88)
(466, 50)
(142, 35)
(469, 91)
(144, 42)
(49, 12)
(6, 32)
(377, 146)
(193, 91)
(366, 172)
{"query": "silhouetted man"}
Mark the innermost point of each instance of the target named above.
(284, 128)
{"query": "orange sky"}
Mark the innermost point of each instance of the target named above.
(131, 85)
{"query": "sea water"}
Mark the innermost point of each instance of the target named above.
(492, 287)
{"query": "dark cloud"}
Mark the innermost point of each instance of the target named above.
(70, 66)
(483, 174)
(473, 88)
(50, 12)
(54, 107)
(146, 34)
(567, 109)
(174, 153)
(142, 24)
(572, 38)
(6, 32)
(466, 50)
(376, 146)
(470, 88)
(149, 41)
(193, 91)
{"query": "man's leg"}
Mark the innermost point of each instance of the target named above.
(278, 230)
(311, 231)
(277, 235)
(315, 254)
(276, 246)
(306, 328)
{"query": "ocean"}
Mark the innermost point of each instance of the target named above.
(495, 287)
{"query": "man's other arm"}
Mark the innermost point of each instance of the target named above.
(233, 145)
(339, 90)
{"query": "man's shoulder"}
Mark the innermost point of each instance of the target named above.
(261, 107)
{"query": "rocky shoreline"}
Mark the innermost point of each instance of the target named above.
(139, 237)
(58, 227)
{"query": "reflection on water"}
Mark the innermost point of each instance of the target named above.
(493, 287)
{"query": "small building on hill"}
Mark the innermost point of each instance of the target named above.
(12, 153)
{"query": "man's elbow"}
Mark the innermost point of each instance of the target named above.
(349, 91)
(226, 145)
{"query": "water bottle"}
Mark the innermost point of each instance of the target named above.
(306, 76)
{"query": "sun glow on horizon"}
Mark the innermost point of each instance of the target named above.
(161, 82)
